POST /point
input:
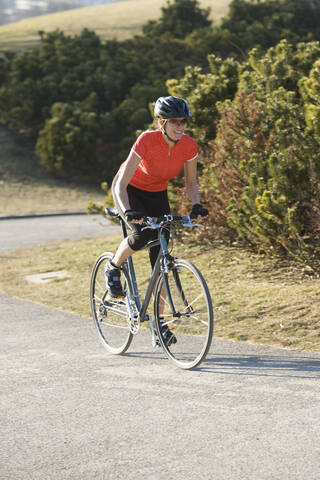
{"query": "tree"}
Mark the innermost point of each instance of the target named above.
(310, 91)
(178, 19)
(260, 122)
(67, 145)
(203, 91)
(259, 23)
(263, 177)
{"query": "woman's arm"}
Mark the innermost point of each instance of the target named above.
(190, 179)
(124, 178)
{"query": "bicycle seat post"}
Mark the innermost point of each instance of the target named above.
(123, 227)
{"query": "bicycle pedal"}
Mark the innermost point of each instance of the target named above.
(112, 298)
(101, 312)
(171, 341)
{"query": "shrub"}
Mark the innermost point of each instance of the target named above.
(260, 175)
(68, 143)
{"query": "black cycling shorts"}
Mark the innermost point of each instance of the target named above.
(151, 204)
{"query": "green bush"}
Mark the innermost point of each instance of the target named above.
(204, 90)
(179, 18)
(68, 143)
(261, 168)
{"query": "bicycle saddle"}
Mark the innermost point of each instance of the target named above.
(111, 212)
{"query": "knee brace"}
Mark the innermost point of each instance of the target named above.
(139, 239)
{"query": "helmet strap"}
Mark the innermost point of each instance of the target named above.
(163, 130)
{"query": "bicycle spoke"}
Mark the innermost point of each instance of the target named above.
(195, 300)
(191, 322)
(199, 320)
(110, 316)
(170, 322)
(101, 287)
(125, 327)
(98, 298)
(165, 300)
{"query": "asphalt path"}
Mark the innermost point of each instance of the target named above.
(69, 410)
(34, 230)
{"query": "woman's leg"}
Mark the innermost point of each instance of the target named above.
(133, 243)
(124, 251)
(154, 204)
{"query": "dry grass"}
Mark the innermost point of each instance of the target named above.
(25, 189)
(256, 298)
(120, 20)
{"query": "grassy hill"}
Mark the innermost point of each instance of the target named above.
(116, 20)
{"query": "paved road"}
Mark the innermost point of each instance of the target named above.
(20, 232)
(71, 411)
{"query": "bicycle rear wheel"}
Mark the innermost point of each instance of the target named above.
(185, 307)
(110, 316)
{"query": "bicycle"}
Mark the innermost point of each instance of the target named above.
(181, 300)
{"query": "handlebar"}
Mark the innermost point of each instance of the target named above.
(158, 222)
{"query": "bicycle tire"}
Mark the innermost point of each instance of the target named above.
(113, 328)
(193, 323)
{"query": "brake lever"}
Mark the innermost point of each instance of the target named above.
(152, 225)
(188, 222)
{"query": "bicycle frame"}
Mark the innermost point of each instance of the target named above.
(138, 312)
(155, 273)
(173, 290)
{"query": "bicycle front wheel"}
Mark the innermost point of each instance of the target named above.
(183, 304)
(110, 316)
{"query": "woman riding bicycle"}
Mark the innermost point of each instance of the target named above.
(139, 188)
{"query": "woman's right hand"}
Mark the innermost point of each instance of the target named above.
(134, 216)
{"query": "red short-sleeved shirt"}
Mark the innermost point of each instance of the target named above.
(159, 164)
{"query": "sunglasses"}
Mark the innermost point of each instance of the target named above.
(178, 121)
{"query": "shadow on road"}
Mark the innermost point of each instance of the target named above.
(263, 365)
(243, 364)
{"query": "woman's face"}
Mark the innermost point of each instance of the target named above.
(174, 127)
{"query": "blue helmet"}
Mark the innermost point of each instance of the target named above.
(171, 107)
